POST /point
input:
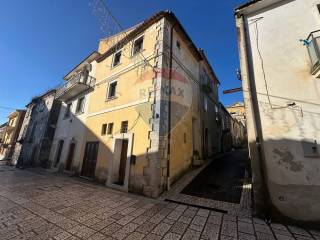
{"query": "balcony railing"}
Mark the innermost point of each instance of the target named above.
(76, 85)
(313, 46)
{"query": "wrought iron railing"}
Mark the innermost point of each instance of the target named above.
(313, 46)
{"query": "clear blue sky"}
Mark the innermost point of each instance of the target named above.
(40, 41)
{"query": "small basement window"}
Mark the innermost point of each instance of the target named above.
(137, 45)
(116, 59)
(112, 90)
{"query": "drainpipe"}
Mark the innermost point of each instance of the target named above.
(169, 106)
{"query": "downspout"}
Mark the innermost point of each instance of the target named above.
(169, 106)
(256, 120)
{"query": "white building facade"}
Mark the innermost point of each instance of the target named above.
(279, 67)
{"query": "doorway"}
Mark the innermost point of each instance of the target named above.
(123, 162)
(119, 170)
(90, 160)
(70, 156)
(58, 156)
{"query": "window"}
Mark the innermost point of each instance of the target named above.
(184, 137)
(137, 45)
(68, 110)
(124, 127)
(205, 103)
(116, 59)
(41, 106)
(80, 104)
(110, 128)
(112, 90)
(104, 129)
(178, 45)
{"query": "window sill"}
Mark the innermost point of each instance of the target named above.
(110, 99)
(113, 67)
(137, 53)
(78, 113)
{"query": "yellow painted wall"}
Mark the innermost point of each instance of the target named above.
(132, 104)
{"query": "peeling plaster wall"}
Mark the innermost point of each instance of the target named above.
(278, 66)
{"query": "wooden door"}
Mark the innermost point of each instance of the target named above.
(123, 161)
(90, 159)
(70, 156)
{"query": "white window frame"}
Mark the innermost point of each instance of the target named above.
(114, 57)
(83, 106)
(108, 90)
(134, 41)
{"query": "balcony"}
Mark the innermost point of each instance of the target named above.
(76, 85)
(313, 46)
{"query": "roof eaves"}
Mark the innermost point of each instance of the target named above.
(143, 26)
(246, 5)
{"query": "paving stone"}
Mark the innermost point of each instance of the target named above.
(179, 228)
(185, 219)
(99, 236)
(264, 236)
(113, 227)
(81, 231)
(245, 227)
(284, 237)
(223, 237)
(198, 220)
(152, 236)
(191, 235)
(146, 227)
(102, 224)
(135, 236)
(211, 232)
(299, 231)
(197, 228)
(229, 229)
(62, 236)
(169, 221)
(203, 213)
(125, 231)
(171, 236)
(161, 229)
(262, 229)
(245, 236)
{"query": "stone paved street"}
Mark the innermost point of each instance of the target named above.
(39, 205)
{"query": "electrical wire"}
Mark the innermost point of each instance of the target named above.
(288, 105)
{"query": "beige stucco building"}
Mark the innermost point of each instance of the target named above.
(150, 113)
(11, 134)
(237, 111)
(279, 54)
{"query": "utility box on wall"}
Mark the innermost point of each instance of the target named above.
(310, 148)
